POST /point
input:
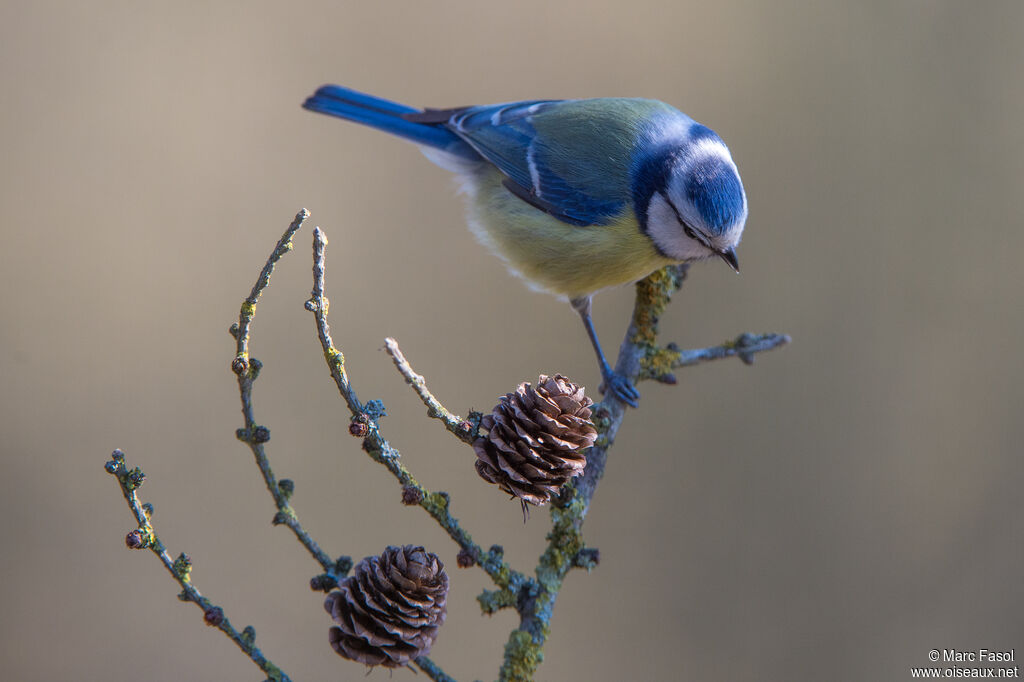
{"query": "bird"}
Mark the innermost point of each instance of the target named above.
(576, 195)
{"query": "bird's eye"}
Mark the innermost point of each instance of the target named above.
(687, 230)
(692, 234)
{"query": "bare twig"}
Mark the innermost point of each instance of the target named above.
(254, 434)
(432, 670)
(380, 450)
(284, 245)
(657, 363)
(320, 306)
(463, 429)
(180, 569)
(743, 346)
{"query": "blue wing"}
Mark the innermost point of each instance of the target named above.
(572, 159)
(569, 158)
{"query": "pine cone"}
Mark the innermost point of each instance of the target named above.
(536, 438)
(389, 610)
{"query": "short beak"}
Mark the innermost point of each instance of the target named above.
(729, 256)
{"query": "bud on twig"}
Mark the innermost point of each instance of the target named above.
(411, 495)
(465, 559)
(213, 616)
(136, 539)
(322, 583)
(359, 426)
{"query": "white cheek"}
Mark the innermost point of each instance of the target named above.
(667, 234)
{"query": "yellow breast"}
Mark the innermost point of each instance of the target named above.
(553, 255)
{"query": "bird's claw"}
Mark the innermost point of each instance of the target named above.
(622, 388)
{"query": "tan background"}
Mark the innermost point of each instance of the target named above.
(831, 513)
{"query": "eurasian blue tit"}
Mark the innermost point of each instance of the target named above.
(576, 195)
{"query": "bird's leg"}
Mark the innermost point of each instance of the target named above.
(617, 384)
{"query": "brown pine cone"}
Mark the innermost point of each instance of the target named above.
(536, 439)
(389, 610)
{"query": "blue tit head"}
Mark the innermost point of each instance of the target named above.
(695, 205)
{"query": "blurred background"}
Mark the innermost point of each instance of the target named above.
(831, 513)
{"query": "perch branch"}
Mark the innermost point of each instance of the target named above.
(180, 569)
(638, 357)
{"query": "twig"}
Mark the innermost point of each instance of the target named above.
(284, 245)
(253, 434)
(320, 306)
(180, 569)
(463, 429)
(743, 346)
(657, 363)
(432, 670)
(380, 450)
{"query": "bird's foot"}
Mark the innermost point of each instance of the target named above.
(621, 387)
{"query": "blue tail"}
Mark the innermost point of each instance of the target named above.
(382, 114)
